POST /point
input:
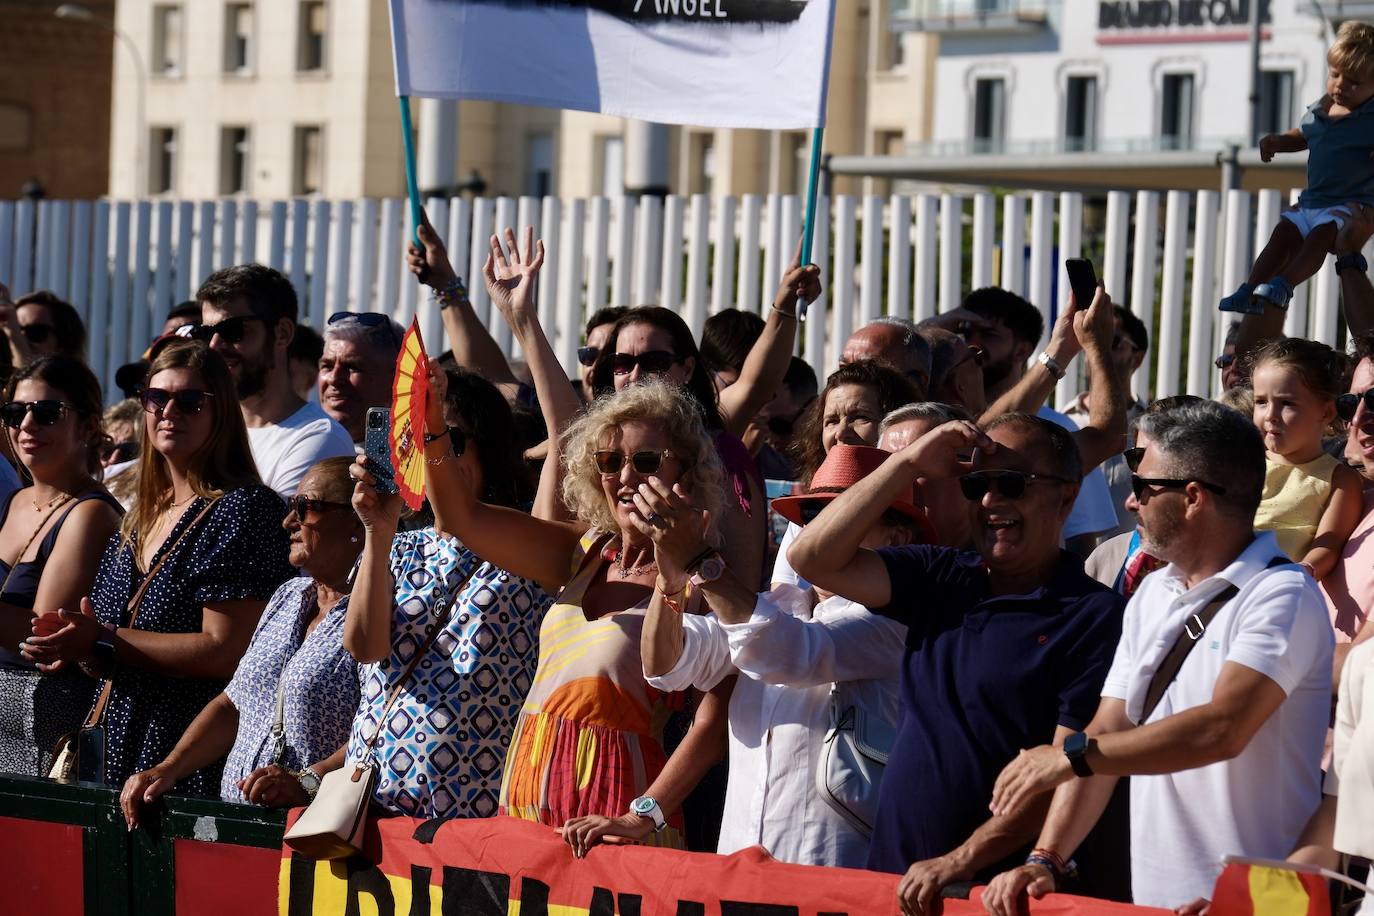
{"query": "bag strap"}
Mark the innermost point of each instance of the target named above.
(278, 732)
(434, 629)
(97, 713)
(1193, 628)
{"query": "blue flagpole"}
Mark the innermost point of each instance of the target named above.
(412, 186)
(809, 224)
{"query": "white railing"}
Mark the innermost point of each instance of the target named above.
(1168, 256)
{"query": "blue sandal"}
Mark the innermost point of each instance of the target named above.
(1241, 301)
(1276, 292)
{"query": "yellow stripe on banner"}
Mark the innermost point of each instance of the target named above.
(1276, 892)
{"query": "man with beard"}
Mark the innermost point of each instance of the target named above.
(248, 316)
(1223, 742)
(1007, 643)
(357, 367)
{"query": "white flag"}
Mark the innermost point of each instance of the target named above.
(712, 63)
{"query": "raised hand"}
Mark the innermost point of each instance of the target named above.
(940, 452)
(798, 282)
(511, 275)
(677, 529)
(379, 512)
(430, 265)
(1095, 326)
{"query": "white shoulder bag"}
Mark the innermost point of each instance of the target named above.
(853, 755)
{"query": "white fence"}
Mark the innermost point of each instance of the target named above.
(1168, 256)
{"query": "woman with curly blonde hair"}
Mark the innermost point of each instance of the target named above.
(587, 755)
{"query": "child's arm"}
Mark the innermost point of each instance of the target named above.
(1290, 142)
(1337, 523)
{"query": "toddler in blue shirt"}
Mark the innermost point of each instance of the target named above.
(1338, 134)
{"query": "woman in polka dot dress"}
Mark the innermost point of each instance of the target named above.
(200, 609)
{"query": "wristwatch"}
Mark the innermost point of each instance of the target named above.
(1355, 260)
(644, 806)
(310, 781)
(710, 568)
(1052, 364)
(1076, 748)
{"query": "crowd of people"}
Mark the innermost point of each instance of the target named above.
(602, 625)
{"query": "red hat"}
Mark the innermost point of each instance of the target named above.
(843, 467)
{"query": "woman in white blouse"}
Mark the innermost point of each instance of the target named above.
(789, 646)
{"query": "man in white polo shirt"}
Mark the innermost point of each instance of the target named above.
(1225, 752)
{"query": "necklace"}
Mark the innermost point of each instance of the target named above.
(52, 507)
(59, 498)
(626, 572)
(183, 502)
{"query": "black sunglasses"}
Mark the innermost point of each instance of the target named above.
(587, 355)
(369, 320)
(113, 452)
(303, 504)
(36, 333)
(230, 330)
(45, 413)
(1133, 457)
(977, 355)
(1347, 404)
(810, 508)
(644, 463)
(188, 400)
(652, 362)
(1139, 485)
(1011, 484)
(1224, 360)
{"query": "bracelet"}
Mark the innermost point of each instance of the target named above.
(435, 437)
(1052, 364)
(454, 292)
(668, 599)
(1054, 862)
(792, 315)
(435, 462)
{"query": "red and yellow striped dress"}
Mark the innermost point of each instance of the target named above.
(590, 735)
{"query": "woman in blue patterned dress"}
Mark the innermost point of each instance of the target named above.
(202, 512)
(444, 742)
(297, 651)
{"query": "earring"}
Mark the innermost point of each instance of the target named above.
(353, 539)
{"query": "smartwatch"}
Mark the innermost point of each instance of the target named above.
(1076, 748)
(644, 806)
(1355, 260)
(1052, 364)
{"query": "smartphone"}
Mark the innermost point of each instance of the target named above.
(1082, 280)
(377, 449)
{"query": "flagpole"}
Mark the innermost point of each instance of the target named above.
(412, 186)
(809, 223)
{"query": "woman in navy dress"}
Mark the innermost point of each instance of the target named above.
(219, 567)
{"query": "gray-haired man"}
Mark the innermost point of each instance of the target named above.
(357, 366)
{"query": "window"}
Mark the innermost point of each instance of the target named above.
(238, 38)
(162, 164)
(167, 39)
(989, 115)
(612, 166)
(308, 173)
(1080, 114)
(1176, 112)
(539, 165)
(233, 160)
(310, 31)
(1276, 102)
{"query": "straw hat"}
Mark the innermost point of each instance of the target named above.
(843, 467)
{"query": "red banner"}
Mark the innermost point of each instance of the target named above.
(504, 866)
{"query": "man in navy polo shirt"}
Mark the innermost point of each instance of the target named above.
(1007, 644)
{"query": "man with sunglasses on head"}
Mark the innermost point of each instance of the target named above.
(248, 316)
(1219, 693)
(357, 368)
(1007, 642)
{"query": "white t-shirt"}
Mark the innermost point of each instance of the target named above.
(1351, 777)
(1183, 824)
(783, 573)
(1093, 512)
(286, 450)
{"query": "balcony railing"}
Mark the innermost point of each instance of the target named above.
(994, 147)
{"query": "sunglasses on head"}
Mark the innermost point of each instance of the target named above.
(303, 504)
(45, 413)
(188, 400)
(1224, 360)
(651, 362)
(1140, 484)
(587, 355)
(36, 333)
(1011, 484)
(230, 330)
(644, 463)
(1347, 404)
(369, 320)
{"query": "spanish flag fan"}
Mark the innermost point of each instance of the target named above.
(409, 406)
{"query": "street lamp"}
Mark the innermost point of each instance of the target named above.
(78, 13)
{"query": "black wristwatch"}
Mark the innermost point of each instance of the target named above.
(1076, 748)
(1355, 259)
(103, 653)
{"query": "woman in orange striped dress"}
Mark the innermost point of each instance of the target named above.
(587, 756)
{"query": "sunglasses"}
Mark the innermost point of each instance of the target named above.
(230, 330)
(188, 400)
(977, 355)
(645, 463)
(587, 355)
(369, 320)
(112, 452)
(457, 439)
(36, 333)
(651, 362)
(45, 413)
(1011, 484)
(1133, 457)
(303, 504)
(1140, 484)
(1347, 404)
(1224, 360)
(811, 508)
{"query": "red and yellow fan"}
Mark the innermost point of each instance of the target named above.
(409, 407)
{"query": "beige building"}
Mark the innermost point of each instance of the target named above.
(295, 97)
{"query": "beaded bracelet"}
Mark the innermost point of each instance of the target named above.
(454, 292)
(1054, 862)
